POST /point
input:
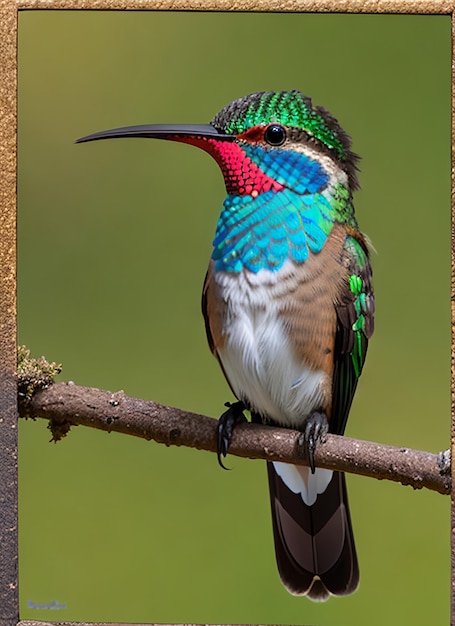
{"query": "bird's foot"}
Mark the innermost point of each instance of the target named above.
(314, 431)
(225, 429)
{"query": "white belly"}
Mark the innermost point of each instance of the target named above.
(258, 357)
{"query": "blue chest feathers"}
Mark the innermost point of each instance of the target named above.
(263, 232)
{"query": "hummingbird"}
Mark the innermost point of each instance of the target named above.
(288, 307)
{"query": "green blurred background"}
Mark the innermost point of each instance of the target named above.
(114, 239)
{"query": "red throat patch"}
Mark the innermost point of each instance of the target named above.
(242, 177)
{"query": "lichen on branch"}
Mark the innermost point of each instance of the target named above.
(33, 374)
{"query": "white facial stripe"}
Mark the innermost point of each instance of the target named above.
(336, 174)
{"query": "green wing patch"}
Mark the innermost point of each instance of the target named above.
(355, 325)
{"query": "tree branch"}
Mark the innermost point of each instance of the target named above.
(67, 404)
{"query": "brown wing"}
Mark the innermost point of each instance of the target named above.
(204, 306)
(213, 310)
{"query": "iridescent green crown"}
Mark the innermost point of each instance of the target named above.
(290, 108)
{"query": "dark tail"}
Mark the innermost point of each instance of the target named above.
(314, 544)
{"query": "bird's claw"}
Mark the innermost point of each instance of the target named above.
(225, 429)
(315, 429)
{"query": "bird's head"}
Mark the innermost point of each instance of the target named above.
(265, 141)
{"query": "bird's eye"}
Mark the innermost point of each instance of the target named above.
(275, 135)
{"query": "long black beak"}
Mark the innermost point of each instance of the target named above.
(161, 131)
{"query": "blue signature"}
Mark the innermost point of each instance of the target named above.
(54, 605)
